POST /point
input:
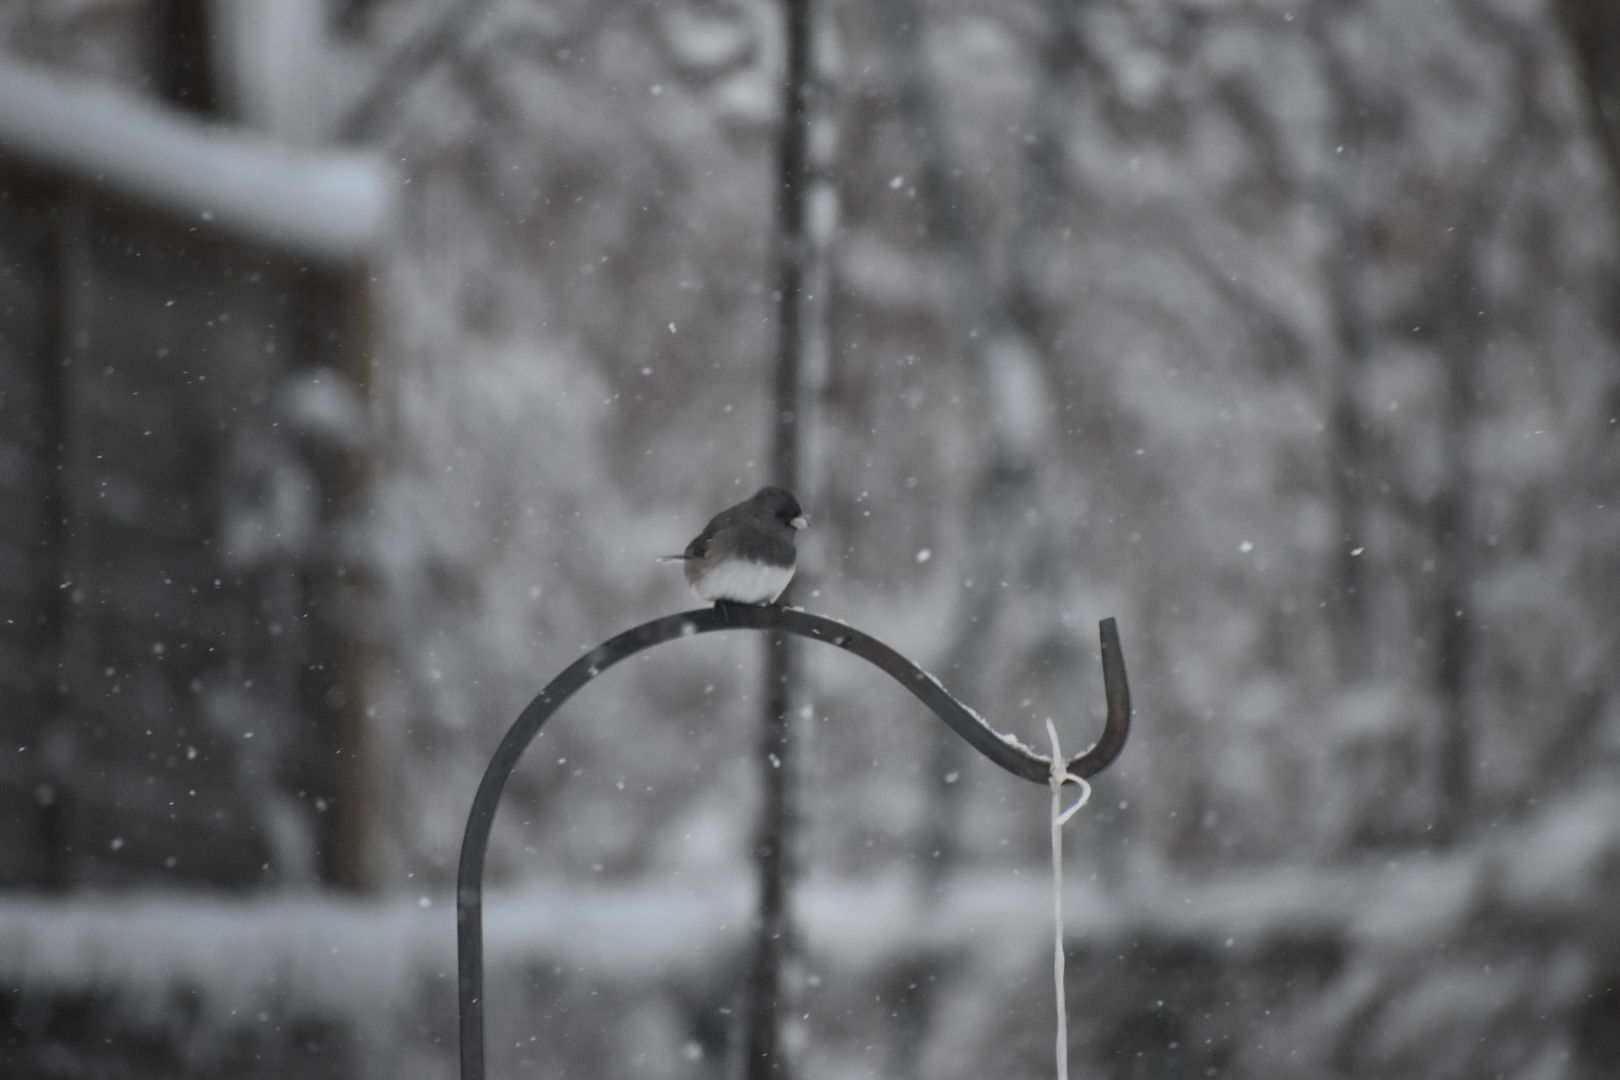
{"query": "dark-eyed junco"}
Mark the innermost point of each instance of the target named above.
(746, 554)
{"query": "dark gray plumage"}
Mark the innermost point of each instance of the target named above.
(746, 554)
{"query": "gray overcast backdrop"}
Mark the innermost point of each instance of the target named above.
(357, 357)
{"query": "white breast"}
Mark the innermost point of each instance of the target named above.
(743, 582)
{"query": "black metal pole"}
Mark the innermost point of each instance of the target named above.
(1008, 753)
(762, 1009)
(792, 246)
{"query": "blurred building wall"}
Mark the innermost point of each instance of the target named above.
(184, 353)
(182, 459)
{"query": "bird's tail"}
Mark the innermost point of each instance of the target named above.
(671, 558)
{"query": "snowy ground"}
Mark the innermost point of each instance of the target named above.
(388, 965)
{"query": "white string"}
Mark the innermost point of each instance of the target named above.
(1060, 776)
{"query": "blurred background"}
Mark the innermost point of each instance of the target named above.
(357, 357)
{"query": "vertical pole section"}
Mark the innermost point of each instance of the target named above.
(774, 858)
(792, 243)
(764, 1053)
(470, 922)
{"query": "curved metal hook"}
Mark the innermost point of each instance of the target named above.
(1004, 750)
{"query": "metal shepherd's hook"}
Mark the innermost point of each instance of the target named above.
(1004, 750)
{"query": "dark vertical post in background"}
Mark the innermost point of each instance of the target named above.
(334, 586)
(54, 731)
(1451, 522)
(1593, 30)
(764, 1052)
(182, 34)
(1347, 131)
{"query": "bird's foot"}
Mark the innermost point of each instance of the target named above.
(728, 608)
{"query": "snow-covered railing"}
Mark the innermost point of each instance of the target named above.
(333, 205)
(1004, 750)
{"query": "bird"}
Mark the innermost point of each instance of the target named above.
(745, 554)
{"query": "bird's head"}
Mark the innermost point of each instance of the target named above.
(780, 504)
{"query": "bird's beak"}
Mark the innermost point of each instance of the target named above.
(800, 522)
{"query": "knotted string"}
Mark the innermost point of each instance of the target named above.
(1060, 776)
